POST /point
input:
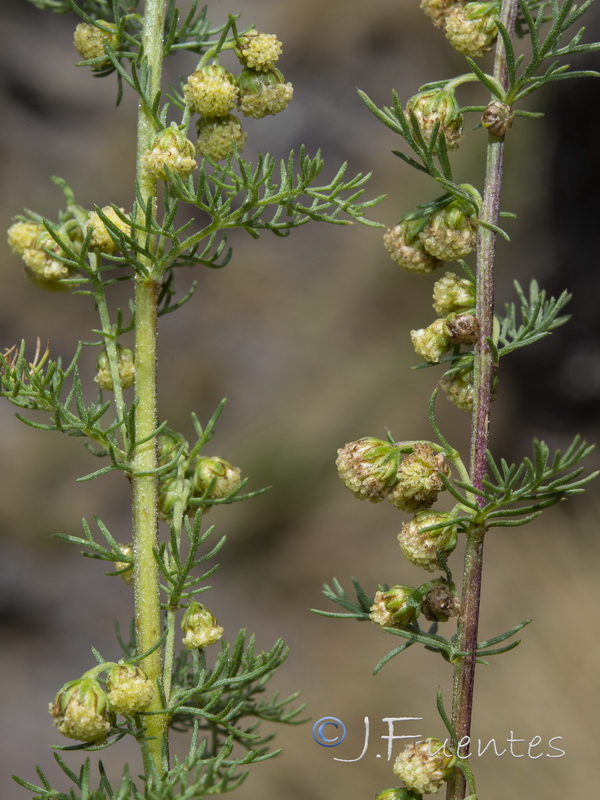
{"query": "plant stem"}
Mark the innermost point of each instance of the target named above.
(145, 498)
(464, 672)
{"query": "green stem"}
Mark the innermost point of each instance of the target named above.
(464, 672)
(145, 496)
(110, 344)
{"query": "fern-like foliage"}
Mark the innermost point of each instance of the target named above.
(513, 495)
(539, 315)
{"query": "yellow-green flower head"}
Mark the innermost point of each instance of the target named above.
(459, 389)
(126, 566)
(419, 479)
(129, 689)
(101, 237)
(437, 10)
(391, 608)
(200, 627)
(425, 766)
(126, 369)
(432, 342)
(22, 236)
(433, 107)
(258, 51)
(90, 42)
(368, 467)
(263, 93)
(211, 91)
(216, 137)
(420, 546)
(451, 232)
(42, 268)
(218, 473)
(406, 250)
(452, 294)
(471, 28)
(170, 149)
(81, 711)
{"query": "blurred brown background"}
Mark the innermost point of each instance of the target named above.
(308, 338)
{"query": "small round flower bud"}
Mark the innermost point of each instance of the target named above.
(200, 627)
(405, 248)
(498, 118)
(425, 766)
(433, 107)
(168, 443)
(437, 10)
(462, 328)
(459, 389)
(420, 546)
(471, 28)
(219, 473)
(42, 269)
(258, 51)
(210, 91)
(439, 604)
(90, 42)
(170, 149)
(368, 467)
(451, 233)
(391, 608)
(126, 566)
(81, 711)
(432, 342)
(216, 137)
(101, 238)
(22, 236)
(263, 93)
(126, 369)
(418, 479)
(129, 689)
(169, 492)
(451, 293)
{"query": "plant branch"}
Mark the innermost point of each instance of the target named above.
(464, 673)
(145, 524)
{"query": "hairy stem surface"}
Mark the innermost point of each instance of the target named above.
(464, 673)
(145, 520)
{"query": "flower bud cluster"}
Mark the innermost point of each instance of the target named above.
(46, 263)
(393, 608)
(259, 90)
(420, 546)
(200, 627)
(171, 152)
(470, 27)
(425, 766)
(374, 470)
(205, 478)
(422, 243)
(90, 42)
(104, 237)
(83, 710)
(125, 368)
(129, 689)
(437, 108)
